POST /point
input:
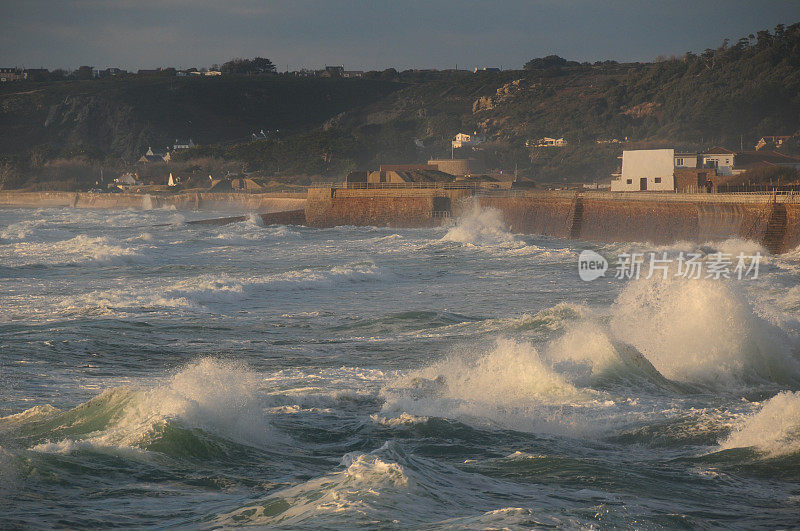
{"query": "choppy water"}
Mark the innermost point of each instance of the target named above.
(448, 378)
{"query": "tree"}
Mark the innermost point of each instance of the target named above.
(262, 65)
(257, 65)
(84, 72)
(543, 63)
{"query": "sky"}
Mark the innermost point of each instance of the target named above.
(369, 35)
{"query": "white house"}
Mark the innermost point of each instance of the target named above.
(467, 140)
(182, 144)
(547, 142)
(685, 160)
(720, 159)
(646, 169)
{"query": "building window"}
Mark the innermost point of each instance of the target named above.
(658, 179)
(678, 162)
(629, 181)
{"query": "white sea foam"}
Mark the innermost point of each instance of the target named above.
(774, 429)
(78, 250)
(481, 227)
(509, 385)
(217, 397)
(703, 331)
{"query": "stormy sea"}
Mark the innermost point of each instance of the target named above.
(154, 373)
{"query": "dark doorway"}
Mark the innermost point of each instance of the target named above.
(643, 183)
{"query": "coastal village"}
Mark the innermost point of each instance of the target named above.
(715, 170)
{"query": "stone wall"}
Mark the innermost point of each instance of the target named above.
(328, 207)
(218, 202)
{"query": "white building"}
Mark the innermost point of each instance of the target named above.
(685, 160)
(547, 142)
(182, 144)
(467, 140)
(720, 159)
(646, 169)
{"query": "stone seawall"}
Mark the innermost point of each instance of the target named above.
(329, 207)
(217, 202)
(659, 218)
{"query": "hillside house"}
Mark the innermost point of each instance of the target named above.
(12, 74)
(775, 141)
(468, 140)
(547, 142)
(182, 144)
(152, 156)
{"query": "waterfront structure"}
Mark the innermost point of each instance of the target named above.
(666, 170)
(646, 169)
(457, 167)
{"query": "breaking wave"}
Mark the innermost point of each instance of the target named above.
(481, 227)
(375, 489)
(704, 331)
(193, 412)
(773, 430)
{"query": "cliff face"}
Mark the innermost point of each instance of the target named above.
(94, 120)
(123, 116)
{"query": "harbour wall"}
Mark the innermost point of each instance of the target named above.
(217, 202)
(658, 218)
(329, 207)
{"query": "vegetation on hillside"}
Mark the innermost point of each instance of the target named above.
(322, 128)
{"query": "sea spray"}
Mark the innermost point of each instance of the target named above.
(703, 331)
(220, 398)
(774, 429)
(479, 226)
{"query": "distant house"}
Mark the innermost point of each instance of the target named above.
(212, 73)
(352, 73)
(182, 144)
(173, 181)
(546, 142)
(152, 156)
(113, 71)
(37, 74)
(776, 141)
(333, 71)
(12, 74)
(719, 158)
(468, 140)
(486, 69)
(127, 179)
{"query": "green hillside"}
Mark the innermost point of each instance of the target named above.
(728, 95)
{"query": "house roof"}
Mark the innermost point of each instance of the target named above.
(755, 159)
(717, 150)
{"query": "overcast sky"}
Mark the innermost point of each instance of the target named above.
(366, 35)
